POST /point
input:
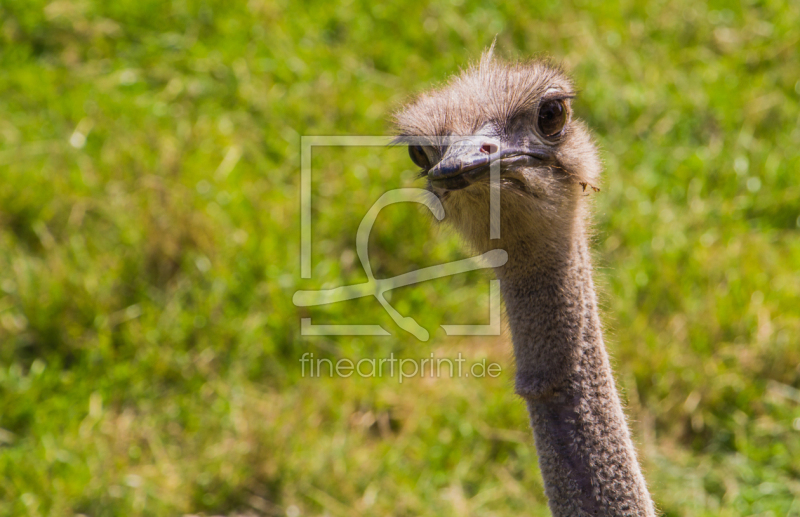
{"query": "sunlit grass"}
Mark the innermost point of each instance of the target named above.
(150, 236)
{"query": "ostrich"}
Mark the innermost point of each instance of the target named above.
(519, 115)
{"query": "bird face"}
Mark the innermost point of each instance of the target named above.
(508, 128)
(512, 118)
(515, 148)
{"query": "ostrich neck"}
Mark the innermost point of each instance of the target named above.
(585, 452)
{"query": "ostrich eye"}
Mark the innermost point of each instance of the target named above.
(418, 156)
(552, 117)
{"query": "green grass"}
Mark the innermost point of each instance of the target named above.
(149, 348)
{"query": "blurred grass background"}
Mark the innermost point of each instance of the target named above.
(149, 249)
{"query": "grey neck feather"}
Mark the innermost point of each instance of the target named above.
(586, 456)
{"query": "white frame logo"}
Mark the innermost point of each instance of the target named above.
(378, 287)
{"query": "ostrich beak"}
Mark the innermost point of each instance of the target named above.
(469, 161)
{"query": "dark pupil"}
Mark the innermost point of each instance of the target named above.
(418, 156)
(552, 117)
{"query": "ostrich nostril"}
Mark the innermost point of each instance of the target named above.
(489, 148)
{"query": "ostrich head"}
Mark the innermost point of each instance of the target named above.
(517, 116)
